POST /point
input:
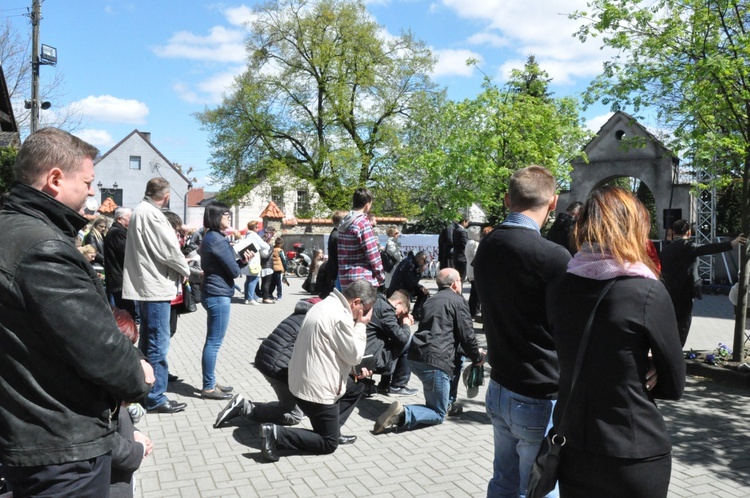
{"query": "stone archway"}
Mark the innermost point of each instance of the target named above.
(612, 155)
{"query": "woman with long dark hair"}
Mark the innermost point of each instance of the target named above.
(617, 443)
(220, 268)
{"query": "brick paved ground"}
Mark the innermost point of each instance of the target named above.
(192, 459)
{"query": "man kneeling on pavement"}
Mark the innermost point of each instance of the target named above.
(445, 327)
(330, 342)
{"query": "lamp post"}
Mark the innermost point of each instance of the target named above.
(48, 57)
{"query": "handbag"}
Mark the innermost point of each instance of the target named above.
(388, 261)
(188, 300)
(543, 475)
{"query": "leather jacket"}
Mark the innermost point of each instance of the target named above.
(64, 364)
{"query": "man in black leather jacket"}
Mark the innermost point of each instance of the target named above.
(64, 365)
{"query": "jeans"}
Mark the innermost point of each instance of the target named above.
(519, 424)
(436, 385)
(217, 318)
(154, 344)
(251, 282)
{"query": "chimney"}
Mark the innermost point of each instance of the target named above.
(146, 136)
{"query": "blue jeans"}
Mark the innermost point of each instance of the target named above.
(251, 283)
(217, 308)
(519, 424)
(154, 344)
(436, 385)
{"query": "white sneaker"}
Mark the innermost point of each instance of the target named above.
(251, 302)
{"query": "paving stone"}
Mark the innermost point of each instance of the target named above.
(191, 459)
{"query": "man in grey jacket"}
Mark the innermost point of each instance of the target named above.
(154, 267)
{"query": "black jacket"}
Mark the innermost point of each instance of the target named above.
(460, 238)
(114, 256)
(613, 413)
(127, 455)
(386, 337)
(559, 232)
(64, 364)
(679, 267)
(445, 327)
(274, 353)
(406, 276)
(512, 269)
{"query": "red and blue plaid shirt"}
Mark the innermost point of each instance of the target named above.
(359, 253)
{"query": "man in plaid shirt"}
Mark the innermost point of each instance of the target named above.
(359, 251)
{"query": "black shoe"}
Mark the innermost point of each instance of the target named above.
(172, 378)
(403, 391)
(268, 442)
(455, 409)
(169, 407)
(215, 393)
(224, 389)
(346, 439)
(233, 410)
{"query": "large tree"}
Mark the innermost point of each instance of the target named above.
(324, 97)
(690, 61)
(464, 152)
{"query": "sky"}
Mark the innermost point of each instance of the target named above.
(151, 65)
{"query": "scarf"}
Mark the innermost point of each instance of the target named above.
(591, 262)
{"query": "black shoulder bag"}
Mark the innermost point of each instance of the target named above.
(543, 475)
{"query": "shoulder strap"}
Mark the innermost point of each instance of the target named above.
(582, 352)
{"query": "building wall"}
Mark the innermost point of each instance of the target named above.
(115, 168)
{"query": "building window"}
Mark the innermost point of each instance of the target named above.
(135, 162)
(303, 204)
(277, 196)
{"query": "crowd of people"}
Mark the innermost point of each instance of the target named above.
(74, 373)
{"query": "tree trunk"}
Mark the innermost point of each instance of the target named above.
(738, 351)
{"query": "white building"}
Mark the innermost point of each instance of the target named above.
(123, 171)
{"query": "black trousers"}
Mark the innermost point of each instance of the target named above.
(584, 475)
(326, 421)
(84, 479)
(684, 311)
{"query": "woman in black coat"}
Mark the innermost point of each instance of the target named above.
(617, 441)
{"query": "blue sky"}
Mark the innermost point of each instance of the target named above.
(150, 65)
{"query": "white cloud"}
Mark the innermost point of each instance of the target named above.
(490, 39)
(546, 33)
(220, 45)
(210, 90)
(240, 16)
(594, 124)
(98, 138)
(113, 109)
(451, 62)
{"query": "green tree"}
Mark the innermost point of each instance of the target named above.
(324, 98)
(466, 151)
(7, 160)
(689, 61)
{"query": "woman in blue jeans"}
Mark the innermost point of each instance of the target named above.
(220, 268)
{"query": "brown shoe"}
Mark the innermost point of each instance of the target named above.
(214, 393)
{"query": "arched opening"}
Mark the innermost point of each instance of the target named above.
(642, 192)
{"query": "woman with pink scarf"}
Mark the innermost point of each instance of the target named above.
(616, 440)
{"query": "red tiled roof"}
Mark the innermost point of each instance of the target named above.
(194, 196)
(272, 211)
(108, 206)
